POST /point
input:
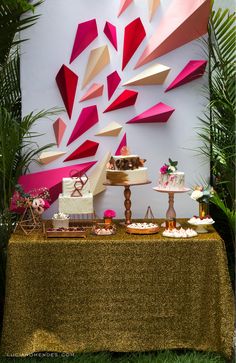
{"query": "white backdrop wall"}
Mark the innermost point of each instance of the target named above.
(49, 46)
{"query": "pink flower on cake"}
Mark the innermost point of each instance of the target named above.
(164, 169)
(169, 168)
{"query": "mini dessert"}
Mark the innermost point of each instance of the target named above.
(170, 178)
(179, 233)
(203, 220)
(103, 229)
(60, 220)
(142, 228)
(126, 168)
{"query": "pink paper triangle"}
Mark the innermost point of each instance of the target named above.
(96, 90)
(110, 31)
(87, 118)
(67, 82)
(157, 113)
(193, 70)
(113, 81)
(122, 144)
(86, 33)
(59, 127)
(123, 6)
(52, 179)
(125, 99)
(88, 148)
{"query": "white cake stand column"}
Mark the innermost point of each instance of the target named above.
(170, 213)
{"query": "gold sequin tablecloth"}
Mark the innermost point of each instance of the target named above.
(117, 293)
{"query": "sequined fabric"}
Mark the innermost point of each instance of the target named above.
(117, 293)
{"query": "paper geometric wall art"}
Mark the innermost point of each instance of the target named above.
(110, 32)
(87, 118)
(59, 127)
(47, 157)
(123, 6)
(122, 144)
(133, 36)
(183, 22)
(125, 99)
(67, 82)
(98, 175)
(86, 33)
(96, 90)
(88, 148)
(113, 129)
(153, 4)
(98, 59)
(193, 70)
(52, 179)
(152, 75)
(157, 113)
(113, 81)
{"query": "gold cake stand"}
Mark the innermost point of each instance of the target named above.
(127, 195)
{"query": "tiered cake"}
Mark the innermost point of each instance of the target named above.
(171, 179)
(76, 197)
(129, 169)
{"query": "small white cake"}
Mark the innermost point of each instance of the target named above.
(126, 169)
(172, 181)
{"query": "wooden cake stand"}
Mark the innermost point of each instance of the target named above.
(170, 213)
(127, 195)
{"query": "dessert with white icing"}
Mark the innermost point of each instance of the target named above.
(142, 228)
(198, 221)
(171, 179)
(179, 233)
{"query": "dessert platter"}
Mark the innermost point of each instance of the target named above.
(71, 232)
(142, 228)
(201, 223)
(179, 233)
(103, 229)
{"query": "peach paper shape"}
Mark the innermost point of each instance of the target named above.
(96, 90)
(86, 33)
(157, 113)
(125, 99)
(183, 22)
(59, 127)
(87, 118)
(98, 176)
(113, 129)
(67, 82)
(123, 6)
(133, 36)
(47, 157)
(99, 58)
(52, 179)
(122, 144)
(113, 81)
(110, 31)
(88, 148)
(194, 69)
(152, 75)
(153, 5)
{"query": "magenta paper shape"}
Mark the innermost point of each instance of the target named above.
(123, 6)
(125, 99)
(67, 82)
(183, 22)
(110, 32)
(59, 127)
(94, 91)
(133, 36)
(193, 69)
(86, 33)
(122, 144)
(157, 113)
(88, 148)
(87, 118)
(52, 179)
(113, 81)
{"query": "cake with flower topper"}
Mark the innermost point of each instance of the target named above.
(170, 178)
(126, 169)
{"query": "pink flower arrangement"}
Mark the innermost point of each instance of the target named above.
(169, 168)
(164, 169)
(38, 199)
(109, 213)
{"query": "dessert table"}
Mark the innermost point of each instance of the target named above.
(117, 293)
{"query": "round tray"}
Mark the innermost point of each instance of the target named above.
(179, 236)
(142, 230)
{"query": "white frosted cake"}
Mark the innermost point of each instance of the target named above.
(73, 201)
(171, 179)
(126, 169)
